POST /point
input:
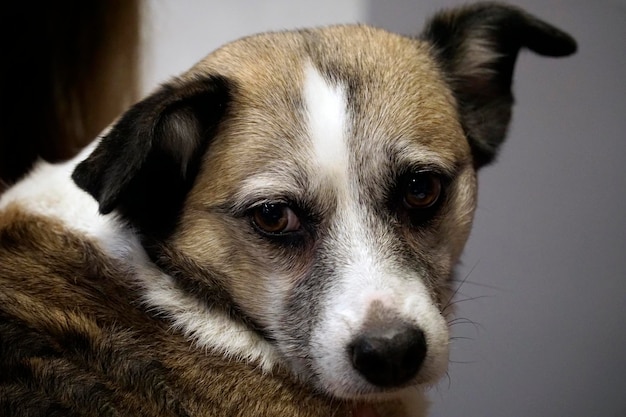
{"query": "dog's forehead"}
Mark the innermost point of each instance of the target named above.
(392, 100)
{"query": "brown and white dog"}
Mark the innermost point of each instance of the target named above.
(272, 233)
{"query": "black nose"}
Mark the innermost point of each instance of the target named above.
(389, 357)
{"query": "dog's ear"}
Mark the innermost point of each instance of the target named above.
(477, 47)
(145, 165)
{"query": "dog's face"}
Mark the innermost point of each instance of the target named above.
(335, 200)
(321, 184)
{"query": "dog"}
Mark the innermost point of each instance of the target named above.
(272, 233)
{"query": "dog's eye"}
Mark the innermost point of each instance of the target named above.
(421, 190)
(275, 219)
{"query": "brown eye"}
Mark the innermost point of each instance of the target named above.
(421, 190)
(275, 219)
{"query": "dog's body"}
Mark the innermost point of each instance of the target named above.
(272, 233)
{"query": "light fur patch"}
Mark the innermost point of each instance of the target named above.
(49, 191)
(327, 125)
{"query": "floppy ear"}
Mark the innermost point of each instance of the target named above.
(477, 47)
(147, 162)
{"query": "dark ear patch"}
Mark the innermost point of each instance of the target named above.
(477, 47)
(146, 164)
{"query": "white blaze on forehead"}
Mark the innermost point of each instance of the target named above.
(326, 110)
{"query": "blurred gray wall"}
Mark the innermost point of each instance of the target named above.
(545, 267)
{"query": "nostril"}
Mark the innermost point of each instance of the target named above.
(389, 357)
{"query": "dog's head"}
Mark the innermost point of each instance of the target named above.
(322, 183)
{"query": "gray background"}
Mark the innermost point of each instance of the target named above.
(545, 266)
